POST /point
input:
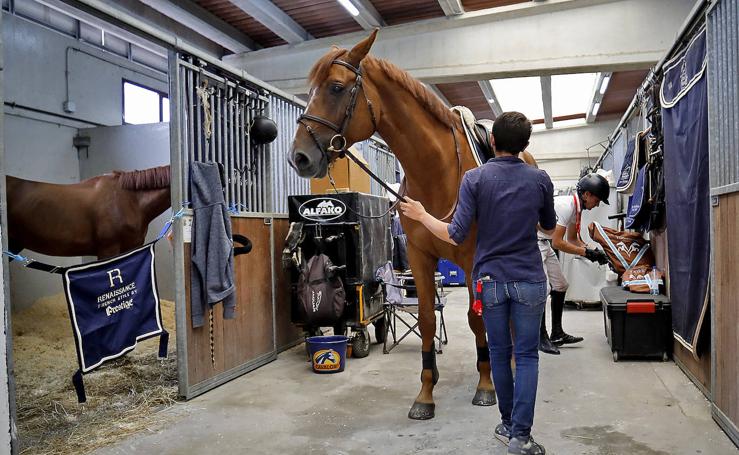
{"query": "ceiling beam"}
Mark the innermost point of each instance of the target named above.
(368, 16)
(274, 19)
(599, 91)
(452, 7)
(83, 16)
(492, 100)
(439, 50)
(546, 100)
(203, 22)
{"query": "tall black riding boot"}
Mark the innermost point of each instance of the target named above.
(559, 337)
(545, 345)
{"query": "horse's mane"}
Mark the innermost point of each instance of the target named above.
(147, 179)
(426, 97)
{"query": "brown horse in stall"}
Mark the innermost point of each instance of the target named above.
(428, 140)
(102, 216)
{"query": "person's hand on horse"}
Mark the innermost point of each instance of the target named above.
(412, 209)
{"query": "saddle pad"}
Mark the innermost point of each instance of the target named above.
(637, 216)
(624, 249)
(480, 151)
(636, 154)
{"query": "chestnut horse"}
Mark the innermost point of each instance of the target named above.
(102, 216)
(354, 95)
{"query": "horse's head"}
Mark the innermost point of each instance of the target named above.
(340, 110)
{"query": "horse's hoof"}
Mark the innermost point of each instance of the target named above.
(484, 398)
(421, 411)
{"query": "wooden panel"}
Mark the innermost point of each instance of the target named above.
(320, 17)
(621, 90)
(200, 367)
(236, 17)
(474, 5)
(395, 12)
(726, 290)
(287, 332)
(467, 94)
(699, 371)
(249, 335)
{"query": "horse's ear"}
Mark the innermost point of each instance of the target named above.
(362, 48)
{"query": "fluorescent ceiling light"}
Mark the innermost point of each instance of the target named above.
(596, 106)
(349, 7)
(604, 84)
(572, 93)
(521, 94)
(491, 100)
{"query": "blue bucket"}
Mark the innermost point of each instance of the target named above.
(328, 353)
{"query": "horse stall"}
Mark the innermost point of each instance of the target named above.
(72, 83)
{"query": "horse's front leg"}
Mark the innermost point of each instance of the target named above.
(423, 266)
(485, 392)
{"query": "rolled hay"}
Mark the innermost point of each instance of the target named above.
(124, 396)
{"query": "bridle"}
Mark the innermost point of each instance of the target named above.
(338, 143)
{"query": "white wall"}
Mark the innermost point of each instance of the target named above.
(562, 152)
(38, 143)
(130, 147)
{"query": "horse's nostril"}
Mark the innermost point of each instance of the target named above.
(301, 160)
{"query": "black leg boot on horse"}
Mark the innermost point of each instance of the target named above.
(559, 337)
(485, 392)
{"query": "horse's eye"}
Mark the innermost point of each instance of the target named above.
(337, 88)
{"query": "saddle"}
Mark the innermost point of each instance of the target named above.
(478, 133)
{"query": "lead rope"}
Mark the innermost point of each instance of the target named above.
(212, 339)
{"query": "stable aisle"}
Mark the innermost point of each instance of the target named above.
(587, 405)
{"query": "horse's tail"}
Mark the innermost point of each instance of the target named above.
(147, 179)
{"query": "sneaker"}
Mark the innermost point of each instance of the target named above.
(563, 338)
(503, 433)
(530, 447)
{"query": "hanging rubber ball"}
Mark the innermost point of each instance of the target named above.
(263, 130)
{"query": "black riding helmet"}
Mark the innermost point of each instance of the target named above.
(263, 130)
(596, 184)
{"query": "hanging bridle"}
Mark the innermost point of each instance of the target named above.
(338, 143)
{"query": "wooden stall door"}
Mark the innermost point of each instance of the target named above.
(223, 349)
(726, 306)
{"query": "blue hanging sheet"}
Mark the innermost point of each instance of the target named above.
(113, 304)
(638, 212)
(687, 192)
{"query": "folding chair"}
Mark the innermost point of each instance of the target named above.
(404, 310)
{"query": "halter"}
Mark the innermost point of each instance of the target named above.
(338, 143)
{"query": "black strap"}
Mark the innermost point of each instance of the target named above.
(79, 386)
(163, 344)
(242, 240)
(46, 267)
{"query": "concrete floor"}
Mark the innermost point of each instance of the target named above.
(587, 405)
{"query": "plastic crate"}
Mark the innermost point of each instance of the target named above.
(637, 325)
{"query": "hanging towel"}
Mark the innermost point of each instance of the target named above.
(211, 280)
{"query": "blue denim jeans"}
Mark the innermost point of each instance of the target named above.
(516, 305)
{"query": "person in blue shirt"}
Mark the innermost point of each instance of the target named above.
(509, 200)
